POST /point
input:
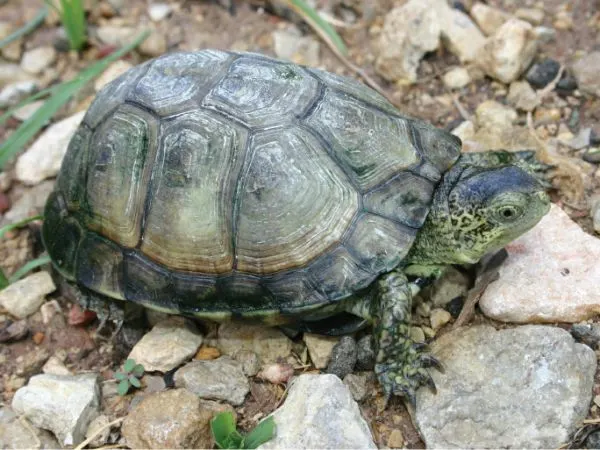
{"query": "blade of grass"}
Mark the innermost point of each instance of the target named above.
(60, 97)
(32, 98)
(30, 265)
(3, 280)
(27, 28)
(317, 23)
(11, 226)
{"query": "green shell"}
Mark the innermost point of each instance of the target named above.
(215, 182)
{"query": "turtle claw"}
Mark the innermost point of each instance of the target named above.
(432, 361)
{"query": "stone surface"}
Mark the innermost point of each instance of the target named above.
(159, 11)
(526, 387)
(439, 318)
(36, 60)
(551, 275)
(542, 73)
(15, 434)
(460, 34)
(13, 331)
(456, 78)
(595, 211)
(56, 367)
(357, 383)
(409, 31)
(63, 404)
(95, 425)
(171, 419)
(343, 357)
(289, 44)
(249, 360)
(522, 96)
(488, 18)
(587, 73)
(494, 115)
(11, 73)
(588, 333)
(116, 35)
(25, 296)
(113, 71)
(452, 284)
(319, 412)
(320, 348)
(534, 16)
(169, 344)
(43, 159)
(16, 92)
(268, 343)
(154, 45)
(508, 52)
(365, 354)
(395, 439)
(216, 379)
(30, 203)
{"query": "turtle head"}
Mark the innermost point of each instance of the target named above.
(478, 209)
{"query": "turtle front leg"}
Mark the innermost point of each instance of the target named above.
(401, 364)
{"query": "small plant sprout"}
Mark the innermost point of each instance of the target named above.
(130, 376)
(226, 435)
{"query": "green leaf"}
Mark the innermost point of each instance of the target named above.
(72, 16)
(138, 370)
(11, 226)
(29, 266)
(123, 387)
(27, 28)
(120, 376)
(234, 440)
(134, 382)
(263, 432)
(222, 426)
(3, 280)
(129, 365)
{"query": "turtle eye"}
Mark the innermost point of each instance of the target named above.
(508, 213)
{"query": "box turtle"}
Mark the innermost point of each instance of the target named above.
(231, 185)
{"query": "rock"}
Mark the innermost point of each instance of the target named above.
(36, 60)
(171, 419)
(289, 44)
(43, 159)
(544, 35)
(276, 373)
(534, 16)
(417, 334)
(439, 318)
(357, 383)
(25, 296)
(581, 141)
(592, 155)
(169, 343)
(343, 357)
(587, 73)
(588, 333)
(95, 425)
(13, 331)
(456, 78)
(522, 96)
(319, 412)
(16, 92)
(320, 348)
(488, 18)
(526, 387)
(217, 379)
(249, 360)
(159, 11)
(493, 115)
(592, 441)
(55, 366)
(409, 32)
(113, 71)
(551, 275)
(154, 45)
(27, 111)
(63, 404)
(365, 353)
(31, 202)
(154, 383)
(31, 362)
(509, 52)
(12, 73)
(396, 439)
(542, 73)
(15, 434)
(13, 50)
(115, 35)
(465, 131)
(460, 35)
(268, 343)
(595, 210)
(452, 284)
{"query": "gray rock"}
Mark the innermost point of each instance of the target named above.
(43, 159)
(249, 360)
(25, 296)
(154, 45)
(522, 96)
(542, 73)
(365, 354)
(459, 34)
(13, 331)
(534, 16)
(320, 348)
(488, 18)
(581, 140)
(16, 92)
(451, 285)
(357, 383)
(95, 425)
(343, 357)
(595, 211)
(588, 333)
(291, 45)
(36, 60)
(15, 434)
(319, 412)
(216, 379)
(63, 404)
(25, 112)
(116, 35)
(11, 73)
(527, 387)
(171, 419)
(268, 343)
(31, 202)
(593, 440)
(587, 73)
(169, 344)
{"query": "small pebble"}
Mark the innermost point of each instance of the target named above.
(417, 334)
(249, 360)
(542, 73)
(455, 306)
(343, 357)
(13, 331)
(396, 439)
(207, 353)
(592, 155)
(357, 383)
(159, 11)
(439, 318)
(276, 373)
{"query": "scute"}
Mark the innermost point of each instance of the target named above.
(72, 182)
(100, 266)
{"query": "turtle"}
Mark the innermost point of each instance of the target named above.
(235, 186)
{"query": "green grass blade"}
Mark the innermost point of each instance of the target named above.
(262, 433)
(32, 98)
(3, 280)
(45, 259)
(27, 28)
(311, 14)
(60, 97)
(6, 228)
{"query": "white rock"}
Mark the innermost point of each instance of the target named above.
(16, 92)
(113, 71)
(115, 35)
(64, 405)
(460, 34)
(494, 115)
(587, 72)
(488, 18)
(154, 45)
(36, 60)
(534, 16)
(508, 52)
(159, 11)
(291, 45)
(56, 367)
(319, 412)
(551, 275)
(16, 433)
(11, 73)
(522, 96)
(25, 112)
(465, 131)
(167, 345)
(456, 78)
(409, 31)
(43, 159)
(269, 343)
(25, 296)
(320, 348)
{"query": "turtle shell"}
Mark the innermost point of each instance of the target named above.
(212, 183)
